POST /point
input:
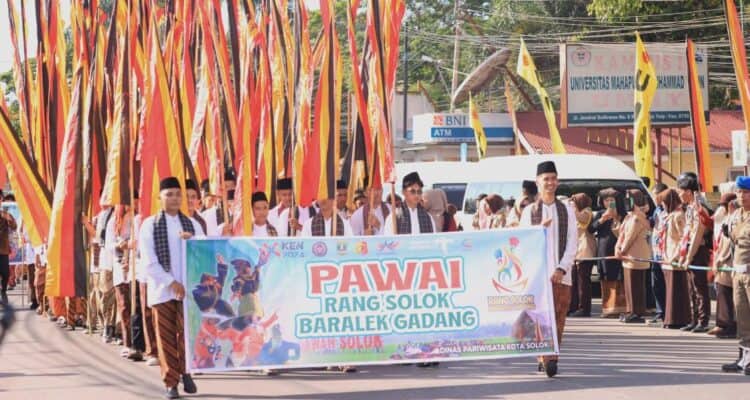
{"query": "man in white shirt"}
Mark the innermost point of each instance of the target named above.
(321, 224)
(369, 220)
(279, 215)
(105, 228)
(559, 221)
(342, 194)
(261, 226)
(161, 240)
(411, 217)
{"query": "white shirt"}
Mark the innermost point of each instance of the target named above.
(159, 279)
(141, 274)
(413, 216)
(107, 253)
(260, 230)
(280, 220)
(307, 228)
(571, 245)
(209, 215)
(359, 224)
(118, 275)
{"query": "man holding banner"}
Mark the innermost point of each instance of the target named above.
(411, 217)
(562, 242)
(161, 242)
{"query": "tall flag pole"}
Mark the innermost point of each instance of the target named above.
(645, 88)
(526, 69)
(739, 57)
(698, 120)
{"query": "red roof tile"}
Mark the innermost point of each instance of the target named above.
(612, 141)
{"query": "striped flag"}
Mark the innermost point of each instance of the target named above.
(327, 120)
(645, 88)
(739, 57)
(67, 270)
(526, 69)
(698, 120)
(162, 153)
(33, 197)
(479, 134)
(117, 182)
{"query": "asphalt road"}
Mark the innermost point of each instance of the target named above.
(601, 359)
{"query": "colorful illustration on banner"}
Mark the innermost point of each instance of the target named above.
(510, 277)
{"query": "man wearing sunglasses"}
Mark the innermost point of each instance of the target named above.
(411, 217)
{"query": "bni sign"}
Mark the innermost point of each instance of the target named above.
(456, 128)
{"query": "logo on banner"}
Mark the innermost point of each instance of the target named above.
(509, 281)
(341, 248)
(581, 57)
(388, 247)
(319, 249)
(361, 248)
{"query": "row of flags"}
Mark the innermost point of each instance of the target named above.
(646, 85)
(191, 90)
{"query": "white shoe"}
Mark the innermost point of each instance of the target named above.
(152, 361)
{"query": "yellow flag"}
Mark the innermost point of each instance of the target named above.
(478, 129)
(527, 70)
(645, 87)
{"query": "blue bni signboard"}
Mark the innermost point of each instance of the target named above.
(456, 128)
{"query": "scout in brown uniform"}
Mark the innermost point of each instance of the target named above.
(633, 243)
(695, 251)
(740, 235)
(726, 326)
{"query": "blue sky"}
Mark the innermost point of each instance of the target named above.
(6, 48)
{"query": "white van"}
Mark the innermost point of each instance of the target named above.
(577, 173)
(451, 176)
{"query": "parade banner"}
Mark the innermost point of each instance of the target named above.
(598, 83)
(293, 302)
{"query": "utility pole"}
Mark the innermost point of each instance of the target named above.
(406, 81)
(454, 83)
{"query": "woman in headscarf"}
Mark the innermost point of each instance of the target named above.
(604, 227)
(495, 208)
(632, 245)
(436, 203)
(726, 325)
(580, 305)
(677, 313)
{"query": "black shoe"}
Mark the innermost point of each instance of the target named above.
(735, 366)
(551, 368)
(747, 370)
(700, 329)
(726, 335)
(688, 328)
(656, 319)
(540, 367)
(34, 306)
(172, 393)
(581, 314)
(634, 319)
(188, 385)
